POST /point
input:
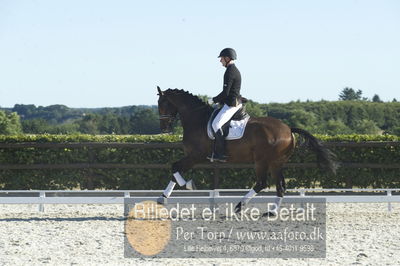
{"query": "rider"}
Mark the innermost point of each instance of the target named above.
(230, 98)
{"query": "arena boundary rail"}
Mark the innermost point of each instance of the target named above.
(212, 197)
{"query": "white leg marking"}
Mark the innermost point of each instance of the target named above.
(179, 179)
(167, 192)
(249, 196)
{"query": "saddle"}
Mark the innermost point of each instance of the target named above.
(234, 128)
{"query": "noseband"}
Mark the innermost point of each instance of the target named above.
(171, 118)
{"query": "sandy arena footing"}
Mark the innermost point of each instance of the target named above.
(357, 233)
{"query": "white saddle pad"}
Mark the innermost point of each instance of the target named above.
(236, 129)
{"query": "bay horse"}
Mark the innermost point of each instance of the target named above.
(267, 142)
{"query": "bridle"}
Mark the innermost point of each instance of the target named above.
(171, 118)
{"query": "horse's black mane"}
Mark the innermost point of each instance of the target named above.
(190, 99)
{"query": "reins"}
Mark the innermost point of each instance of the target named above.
(173, 117)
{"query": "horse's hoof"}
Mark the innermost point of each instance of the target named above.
(162, 200)
(190, 185)
(269, 214)
(238, 207)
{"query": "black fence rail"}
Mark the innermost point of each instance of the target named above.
(92, 164)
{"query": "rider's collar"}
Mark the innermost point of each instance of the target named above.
(229, 64)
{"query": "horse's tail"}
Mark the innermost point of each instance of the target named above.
(325, 157)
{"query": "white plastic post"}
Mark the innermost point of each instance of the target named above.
(127, 195)
(213, 205)
(42, 195)
(389, 194)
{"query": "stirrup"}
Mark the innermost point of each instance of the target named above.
(221, 159)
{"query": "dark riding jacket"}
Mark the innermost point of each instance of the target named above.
(231, 90)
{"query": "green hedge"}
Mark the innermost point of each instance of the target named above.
(159, 178)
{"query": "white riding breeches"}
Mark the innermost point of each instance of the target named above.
(224, 115)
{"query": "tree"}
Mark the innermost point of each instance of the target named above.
(109, 124)
(254, 109)
(376, 99)
(10, 123)
(335, 127)
(24, 110)
(348, 94)
(35, 126)
(395, 131)
(366, 126)
(89, 124)
(355, 113)
(303, 119)
(145, 121)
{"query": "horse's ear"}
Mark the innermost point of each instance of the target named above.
(160, 92)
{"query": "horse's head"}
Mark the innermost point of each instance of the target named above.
(167, 112)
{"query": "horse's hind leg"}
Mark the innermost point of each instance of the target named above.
(283, 184)
(280, 181)
(262, 174)
(277, 174)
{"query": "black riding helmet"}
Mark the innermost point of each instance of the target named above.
(228, 52)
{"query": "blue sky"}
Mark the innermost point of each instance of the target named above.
(115, 53)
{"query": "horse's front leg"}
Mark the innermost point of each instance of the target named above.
(179, 167)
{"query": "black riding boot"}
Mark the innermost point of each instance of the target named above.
(219, 148)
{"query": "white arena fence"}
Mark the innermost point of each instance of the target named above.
(212, 197)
